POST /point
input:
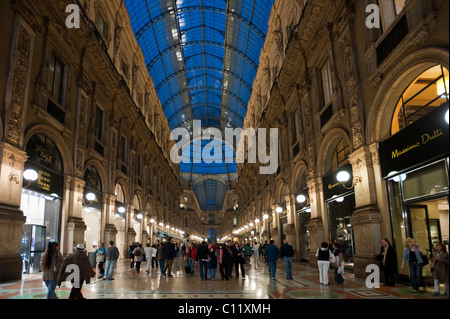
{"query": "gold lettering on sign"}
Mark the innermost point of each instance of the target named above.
(424, 139)
(44, 180)
(330, 186)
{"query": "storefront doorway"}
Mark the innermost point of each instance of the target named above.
(41, 201)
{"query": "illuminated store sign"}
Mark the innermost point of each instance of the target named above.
(420, 142)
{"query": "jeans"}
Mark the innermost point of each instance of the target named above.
(415, 273)
(324, 265)
(288, 266)
(51, 286)
(203, 267)
(109, 268)
(212, 273)
(162, 263)
(191, 263)
(273, 268)
(100, 267)
(338, 277)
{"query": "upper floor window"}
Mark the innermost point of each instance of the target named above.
(99, 124)
(296, 127)
(327, 86)
(427, 92)
(101, 24)
(123, 149)
(340, 155)
(55, 83)
(389, 10)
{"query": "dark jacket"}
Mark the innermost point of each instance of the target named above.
(202, 253)
(440, 267)
(227, 255)
(79, 259)
(238, 255)
(272, 253)
(287, 251)
(391, 258)
(169, 250)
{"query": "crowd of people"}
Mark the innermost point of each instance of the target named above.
(206, 258)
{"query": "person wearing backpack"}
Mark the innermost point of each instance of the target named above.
(131, 248)
(138, 253)
(324, 256)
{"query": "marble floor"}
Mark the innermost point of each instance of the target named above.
(129, 284)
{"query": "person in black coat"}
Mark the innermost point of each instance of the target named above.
(169, 255)
(202, 259)
(388, 260)
(239, 259)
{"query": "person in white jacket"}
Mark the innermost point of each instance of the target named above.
(324, 256)
(148, 255)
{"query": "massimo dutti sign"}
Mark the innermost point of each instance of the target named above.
(423, 141)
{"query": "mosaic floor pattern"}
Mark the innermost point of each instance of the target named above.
(129, 284)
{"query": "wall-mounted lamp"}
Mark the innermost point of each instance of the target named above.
(90, 197)
(397, 178)
(251, 224)
(344, 176)
(257, 221)
(280, 208)
(30, 175)
(303, 200)
(152, 220)
(266, 216)
(338, 199)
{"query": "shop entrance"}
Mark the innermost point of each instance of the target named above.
(32, 247)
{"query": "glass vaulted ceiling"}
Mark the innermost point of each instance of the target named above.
(203, 56)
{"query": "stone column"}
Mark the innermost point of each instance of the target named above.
(109, 231)
(12, 162)
(75, 226)
(291, 229)
(317, 231)
(366, 219)
(275, 232)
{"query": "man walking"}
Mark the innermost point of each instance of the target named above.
(77, 265)
(112, 254)
(271, 252)
(287, 252)
(169, 255)
(202, 258)
(256, 253)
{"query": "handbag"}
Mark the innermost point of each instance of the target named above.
(424, 259)
(100, 257)
(332, 258)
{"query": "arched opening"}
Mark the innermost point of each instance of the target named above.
(41, 200)
(427, 92)
(119, 215)
(92, 207)
(340, 199)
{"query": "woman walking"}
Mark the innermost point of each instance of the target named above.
(101, 255)
(212, 264)
(138, 253)
(191, 256)
(51, 263)
(224, 261)
(338, 271)
(388, 259)
(324, 256)
(412, 255)
(440, 269)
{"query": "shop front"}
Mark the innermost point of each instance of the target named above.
(414, 163)
(303, 209)
(340, 202)
(41, 200)
(92, 208)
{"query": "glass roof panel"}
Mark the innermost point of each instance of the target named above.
(202, 56)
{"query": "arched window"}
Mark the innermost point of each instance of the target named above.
(340, 154)
(136, 203)
(118, 192)
(427, 92)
